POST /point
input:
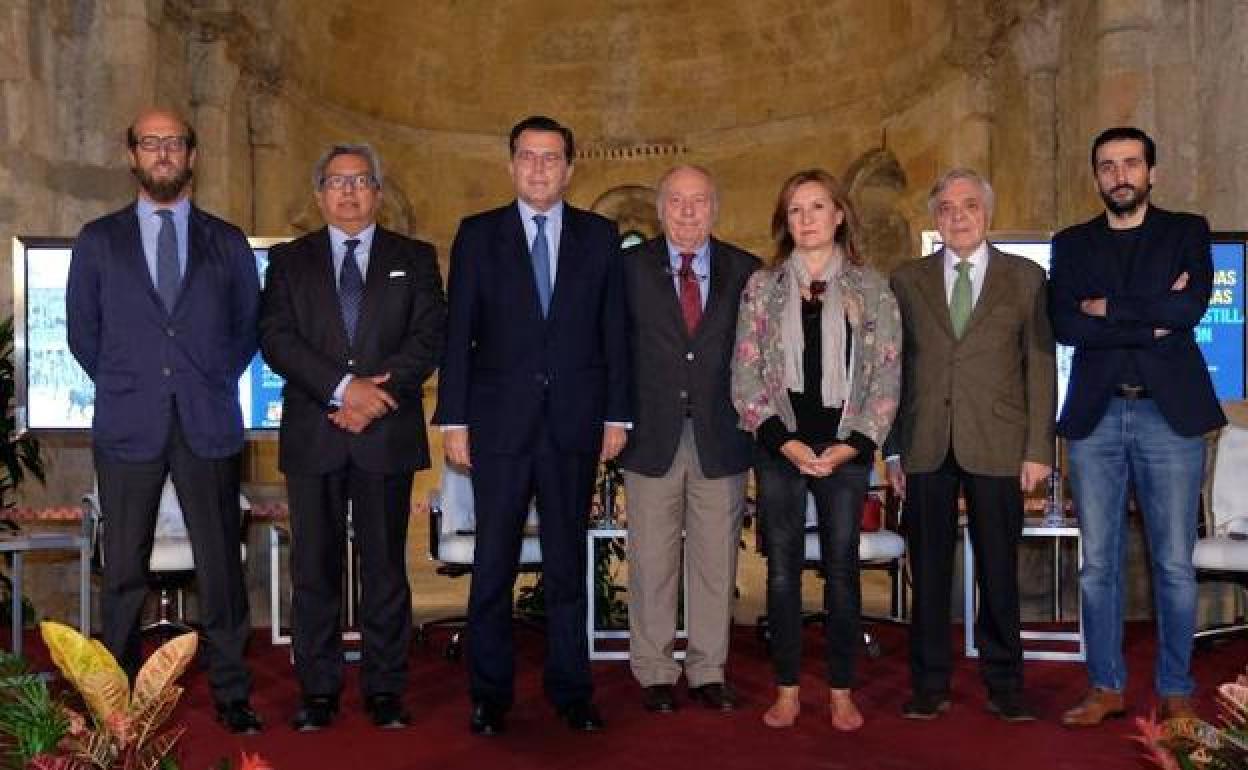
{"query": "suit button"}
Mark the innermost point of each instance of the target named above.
(948, 402)
(684, 395)
(170, 331)
(350, 362)
(689, 356)
(166, 371)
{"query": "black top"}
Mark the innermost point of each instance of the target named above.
(816, 424)
(1126, 246)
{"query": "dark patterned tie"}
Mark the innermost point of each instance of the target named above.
(690, 293)
(168, 273)
(541, 263)
(350, 289)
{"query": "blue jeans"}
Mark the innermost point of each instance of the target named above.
(1133, 445)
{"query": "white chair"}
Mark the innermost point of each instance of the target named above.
(452, 543)
(172, 563)
(883, 549)
(1221, 555)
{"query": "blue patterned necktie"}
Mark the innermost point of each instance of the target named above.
(168, 273)
(350, 289)
(541, 263)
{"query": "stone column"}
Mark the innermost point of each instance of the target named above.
(1036, 46)
(214, 76)
(1124, 44)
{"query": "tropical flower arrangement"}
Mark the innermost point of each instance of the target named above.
(121, 728)
(1194, 744)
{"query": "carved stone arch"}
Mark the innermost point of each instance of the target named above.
(396, 213)
(631, 207)
(875, 182)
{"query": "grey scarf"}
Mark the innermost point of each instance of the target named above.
(834, 389)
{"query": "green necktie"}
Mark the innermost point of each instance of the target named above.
(960, 304)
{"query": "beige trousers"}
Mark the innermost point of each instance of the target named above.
(709, 512)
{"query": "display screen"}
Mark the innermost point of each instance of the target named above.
(53, 392)
(1220, 334)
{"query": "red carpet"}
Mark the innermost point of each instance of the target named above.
(693, 739)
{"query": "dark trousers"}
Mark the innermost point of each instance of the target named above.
(782, 513)
(502, 487)
(380, 507)
(995, 526)
(208, 493)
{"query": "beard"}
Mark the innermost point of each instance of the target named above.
(162, 190)
(1122, 207)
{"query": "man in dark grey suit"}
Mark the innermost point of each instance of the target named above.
(686, 459)
(353, 317)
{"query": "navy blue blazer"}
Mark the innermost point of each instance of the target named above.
(1084, 266)
(139, 355)
(506, 370)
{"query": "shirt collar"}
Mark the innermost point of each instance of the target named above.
(554, 215)
(181, 208)
(338, 239)
(977, 257)
(701, 258)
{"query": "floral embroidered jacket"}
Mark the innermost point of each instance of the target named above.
(758, 390)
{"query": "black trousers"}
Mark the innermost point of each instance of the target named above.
(782, 514)
(380, 507)
(208, 494)
(995, 526)
(502, 487)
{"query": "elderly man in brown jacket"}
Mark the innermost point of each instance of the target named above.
(976, 417)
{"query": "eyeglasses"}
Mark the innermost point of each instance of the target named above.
(151, 143)
(531, 158)
(351, 181)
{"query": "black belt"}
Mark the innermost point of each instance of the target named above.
(1132, 392)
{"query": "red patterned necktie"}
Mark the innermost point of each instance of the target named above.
(690, 294)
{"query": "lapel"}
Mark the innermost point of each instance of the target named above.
(513, 248)
(931, 286)
(994, 288)
(196, 251)
(660, 293)
(323, 282)
(380, 256)
(127, 244)
(717, 288)
(569, 264)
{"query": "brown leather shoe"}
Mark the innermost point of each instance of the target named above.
(1176, 707)
(1097, 706)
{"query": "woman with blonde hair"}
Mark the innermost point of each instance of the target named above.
(815, 377)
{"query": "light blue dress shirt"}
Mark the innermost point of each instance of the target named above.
(701, 267)
(554, 228)
(338, 251)
(149, 230)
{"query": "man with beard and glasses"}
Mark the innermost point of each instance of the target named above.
(1127, 288)
(161, 306)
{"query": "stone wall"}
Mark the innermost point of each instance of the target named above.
(885, 94)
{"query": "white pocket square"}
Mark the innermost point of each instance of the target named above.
(397, 273)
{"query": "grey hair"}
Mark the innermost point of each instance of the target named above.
(953, 175)
(363, 150)
(661, 187)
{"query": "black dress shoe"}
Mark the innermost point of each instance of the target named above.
(487, 718)
(316, 713)
(658, 698)
(926, 705)
(238, 717)
(1011, 707)
(386, 710)
(715, 695)
(582, 715)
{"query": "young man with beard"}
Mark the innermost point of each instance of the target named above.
(1127, 288)
(161, 306)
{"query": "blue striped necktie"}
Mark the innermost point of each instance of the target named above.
(541, 263)
(350, 289)
(168, 272)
